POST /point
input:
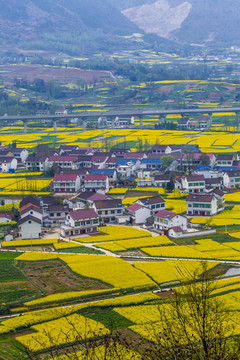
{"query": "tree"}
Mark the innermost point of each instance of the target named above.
(195, 325)
(167, 161)
(204, 158)
(170, 185)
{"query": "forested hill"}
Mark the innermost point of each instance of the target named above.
(26, 19)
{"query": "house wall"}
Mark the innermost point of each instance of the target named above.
(30, 230)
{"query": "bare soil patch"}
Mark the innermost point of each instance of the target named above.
(165, 89)
(53, 276)
(47, 73)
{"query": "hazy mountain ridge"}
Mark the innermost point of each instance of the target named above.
(25, 19)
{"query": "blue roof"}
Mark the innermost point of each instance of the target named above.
(130, 178)
(103, 171)
(228, 168)
(151, 161)
(126, 161)
(203, 167)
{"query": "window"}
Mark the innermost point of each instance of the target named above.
(58, 214)
(119, 211)
(31, 212)
(112, 211)
(29, 221)
(100, 212)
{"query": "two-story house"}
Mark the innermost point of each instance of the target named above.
(231, 179)
(202, 205)
(139, 213)
(193, 183)
(154, 203)
(37, 163)
(79, 222)
(108, 210)
(66, 183)
(95, 182)
(165, 220)
(225, 160)
(110, 173)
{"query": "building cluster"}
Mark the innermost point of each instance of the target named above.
(84, 176)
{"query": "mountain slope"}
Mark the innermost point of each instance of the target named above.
(189, 21)
(26, 19)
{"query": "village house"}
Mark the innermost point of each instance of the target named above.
(154, 203)
(231, 179)
(127, 167)
(225, 160)
(29, 227)
(79, 222)
(8, 163)
(87, 198)
(110, 173)
(202, 205)
(29, 201)
(33, 211)
(139, 213)
(56, 215)
(161, 149)
(95, 182)
(37, 163)
(20, 154)
(66, 183)
(165, 220)
(5, 217)
(64, 161)
(108, 210)
(193, 183)
(151, 164)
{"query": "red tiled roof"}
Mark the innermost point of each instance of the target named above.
(200, 198)
(98, 196)
(31, 208)
(63, 158)
(177, 229)
(83, 214)
(29, 217)
(65, 177)
(163, 214)
(135, 207)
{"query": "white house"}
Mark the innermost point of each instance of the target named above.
(66, 183)
(202, 205)
(139, 212)
(231, 179)
(193, 183)
(127, 167)
(5, 218)
(29, 227)
(64, 161)
(154, 203)
(95, 182)
(20, 154)
(225, 160)
(7, 163)
(80, 222)
(37, 163)
(33, 211)
(165, 220)
(108, 210)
